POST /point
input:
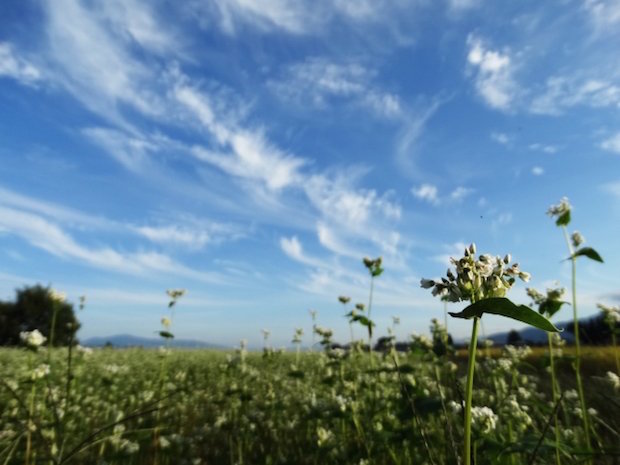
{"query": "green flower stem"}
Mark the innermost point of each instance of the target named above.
(615, 347)
(471, 363)
(372, 285)
(582, 399)
(53, 326)
(554, 394)
(33, 391)
(352, 335)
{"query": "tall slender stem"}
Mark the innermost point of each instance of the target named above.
(554, 394)
(372, 284)
(615, 348)
(582, 399)
(53, 325)
(471, 364)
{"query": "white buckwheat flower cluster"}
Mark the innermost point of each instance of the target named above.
(559, 209)
(611, 315)
(483, 419)
(32, 339)
(476, 279)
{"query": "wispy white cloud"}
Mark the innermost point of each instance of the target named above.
(137, 23)
(538, 171)
(331, 239)
(16, 67)
(48, 236)
(612, 143)
(95, 64)
(500, 138)
(460, 193)
(563, 92)
(543, 148)
(175, 235)
(241, 152)
(291, 16)
(318, 81)
(612, 188)
(426, 192)
(605, 14)
(492, 73)
(350, 208)
(456, 7)
(133, 152)
(69, 216)
(430, 193)
(414, 124)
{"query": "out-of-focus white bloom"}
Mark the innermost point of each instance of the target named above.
(163, 442)
(32, 339)
(483, 419)
(323, 436)
(559, 209)
(614, 380)
(592, 411)
(175, 293)
(611, 315)
(84, 350)
(504, 364)
(57, 296)
(455, 407)
(165, 322)
(571, 394)
(41, 371)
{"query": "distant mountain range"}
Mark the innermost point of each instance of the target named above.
(534, 335)
(128, 340)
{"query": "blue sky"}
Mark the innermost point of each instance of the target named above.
(254, 152)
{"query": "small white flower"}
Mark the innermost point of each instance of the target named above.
(559, 209)
(455, 407)
(57, 296)
(483, 419)
(41, 371)
(614, 380)
(323, 436)
(32, 339)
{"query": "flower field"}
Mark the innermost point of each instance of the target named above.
(325, 407)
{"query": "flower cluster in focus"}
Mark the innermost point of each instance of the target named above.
(476, 279)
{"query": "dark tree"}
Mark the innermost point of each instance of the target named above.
(514, 338)
(34, 308)
(593, 331)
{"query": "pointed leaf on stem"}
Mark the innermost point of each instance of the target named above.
(588, 252)
(504, 307)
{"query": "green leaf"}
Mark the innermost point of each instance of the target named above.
(504, 307)
(588, 252)
(376, 272)
(550, 307)
(363, 320)
(563, 219)
(166, 334)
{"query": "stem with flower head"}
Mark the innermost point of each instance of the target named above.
(372, 282)
(582, 399)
